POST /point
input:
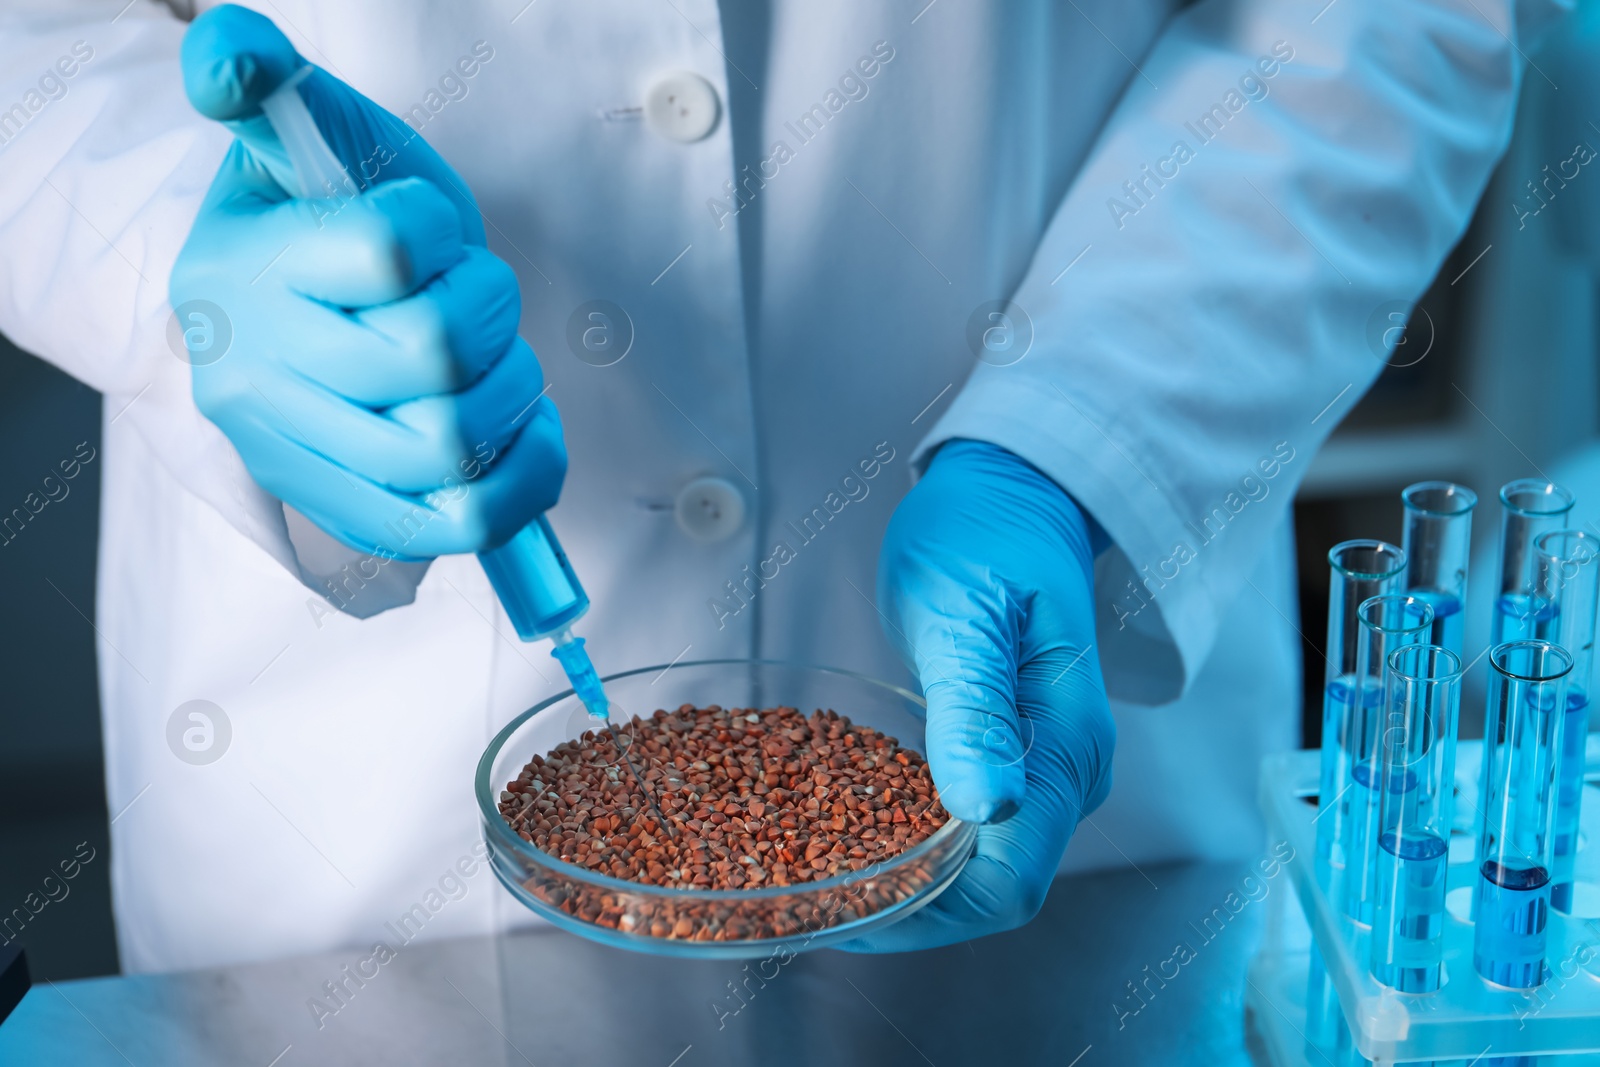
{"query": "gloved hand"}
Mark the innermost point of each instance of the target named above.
(374, 380)
(985, 579)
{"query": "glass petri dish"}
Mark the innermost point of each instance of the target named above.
(717, 923)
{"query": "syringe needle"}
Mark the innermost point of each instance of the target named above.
(586, 683)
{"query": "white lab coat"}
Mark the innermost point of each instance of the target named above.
(1187, 330)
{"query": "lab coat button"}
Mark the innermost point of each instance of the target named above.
(682, 107)
(710, 509)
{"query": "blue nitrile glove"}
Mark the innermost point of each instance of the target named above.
(374, 379)
(985, 580)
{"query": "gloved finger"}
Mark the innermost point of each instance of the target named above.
(379, 247)
(975, 746)
(490, 413)
(437, 340)
(1060, 680)
(1003, 885)
(1068, 773)
(518, 484)
(413, 447)
(1005, 882)
(499, 493)
(989, 896)
(232, 58)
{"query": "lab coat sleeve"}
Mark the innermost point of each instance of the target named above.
(1214, 289)
(103, 165)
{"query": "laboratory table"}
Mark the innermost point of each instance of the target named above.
(1070, 990)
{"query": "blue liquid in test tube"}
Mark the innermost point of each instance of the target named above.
(1415, 864)
(1569, 581)
(1520, 617)
(1358, 570)
(1448, 622)
(1388, 623)
(1522, 739)
(1417, 767)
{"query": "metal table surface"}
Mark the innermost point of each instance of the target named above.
(1056, 992)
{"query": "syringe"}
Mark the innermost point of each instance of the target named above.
(543, 597)
(530, 573)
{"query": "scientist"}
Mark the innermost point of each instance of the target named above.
(1098, 278)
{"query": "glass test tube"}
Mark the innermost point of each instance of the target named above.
(1359, 570)
(1322, 1007)
(1529, 507)
(1438, 546)
(1417, 757)
(1389, 622)
(1569, 581)
(1522, 737)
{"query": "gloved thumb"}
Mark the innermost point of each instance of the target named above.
(976, 740)
(233, 58)
(960, 634)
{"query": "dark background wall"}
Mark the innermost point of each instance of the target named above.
(52, 795)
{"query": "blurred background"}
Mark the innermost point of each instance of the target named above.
(1495, 378)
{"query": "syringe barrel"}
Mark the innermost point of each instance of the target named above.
(1417, 750)
(1522, 738)
(319, 173)
(1358, 570)
(534, 581)
(1569, 582)
(1438, 546)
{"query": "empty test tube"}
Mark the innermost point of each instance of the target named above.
(1388, 623)
(1359, 570)
(1522, 737)
(1569, 581)
(1529, 507)
(1438, 545)
(1417, 755)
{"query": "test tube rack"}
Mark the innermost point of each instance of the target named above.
(1345, 1018)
